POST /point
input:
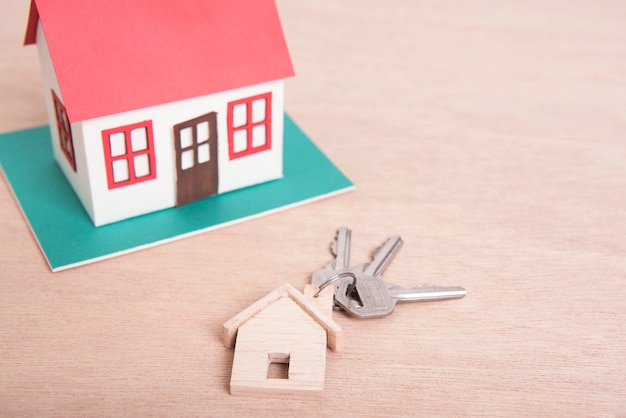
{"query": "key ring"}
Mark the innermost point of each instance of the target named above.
(334, 278)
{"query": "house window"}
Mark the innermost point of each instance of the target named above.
(129, 154)
(249, 125)
(193, 141)
(65, 132)
(278, 365)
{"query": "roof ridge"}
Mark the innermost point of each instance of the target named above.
(333, 331)
(209, 46)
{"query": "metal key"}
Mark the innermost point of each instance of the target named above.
(338, 269)
(382, 257)
(340, 249)
(371, 297)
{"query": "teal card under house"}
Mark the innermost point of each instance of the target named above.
(68, 238)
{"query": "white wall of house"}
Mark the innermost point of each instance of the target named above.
(255, 168)
(90, 179)
(160, 193)
(78, 180)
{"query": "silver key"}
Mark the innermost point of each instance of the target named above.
(370, 297)
(425, 292)
(341, 261)
(383, 256)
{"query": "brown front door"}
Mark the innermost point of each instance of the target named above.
(196, 158)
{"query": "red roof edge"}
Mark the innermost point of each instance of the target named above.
(31, 29)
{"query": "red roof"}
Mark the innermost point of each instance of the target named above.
(112, 56)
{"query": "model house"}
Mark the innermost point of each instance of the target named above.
(285, 329)
(158, 104)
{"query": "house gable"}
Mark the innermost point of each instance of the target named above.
(283, 327)
(333, 331)
(281, 333)
(151, 53)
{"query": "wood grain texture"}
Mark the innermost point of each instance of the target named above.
(286, 327)
(489, 135)
(281, 332)
(334, 332)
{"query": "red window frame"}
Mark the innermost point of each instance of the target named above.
(66, 142)
(249, 125)
(129, 154)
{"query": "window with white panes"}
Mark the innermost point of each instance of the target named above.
(249, 125)
(129, 154)
(194, 143)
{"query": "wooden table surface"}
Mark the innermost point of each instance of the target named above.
(490, 135)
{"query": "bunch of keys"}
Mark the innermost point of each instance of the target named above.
(361, 290)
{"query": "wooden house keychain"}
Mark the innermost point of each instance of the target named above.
(282, 338)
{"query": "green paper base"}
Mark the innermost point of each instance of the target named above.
(68, 238)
